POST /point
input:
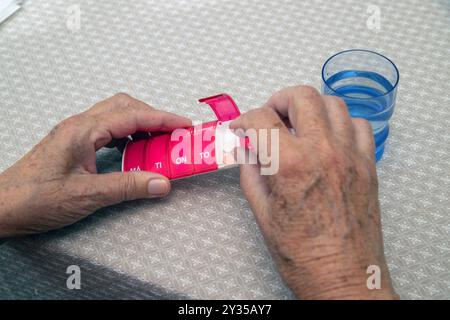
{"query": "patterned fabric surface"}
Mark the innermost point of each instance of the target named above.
(202, 241)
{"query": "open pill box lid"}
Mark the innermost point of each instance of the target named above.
(223, 106)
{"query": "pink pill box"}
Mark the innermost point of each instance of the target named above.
(189, 151)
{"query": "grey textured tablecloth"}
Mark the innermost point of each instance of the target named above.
(202, 241)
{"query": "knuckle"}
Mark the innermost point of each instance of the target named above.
(267, 112)
(295, 92)
(306, 91)
(68, 126)
(268, 118)
(279, 93)
(127, 187)
(362, 123)
(256, 117)
(71, 121)
(337, 101)
(123, 99)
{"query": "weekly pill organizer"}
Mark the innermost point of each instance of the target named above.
(195, 150)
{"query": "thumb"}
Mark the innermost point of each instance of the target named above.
(116, 187)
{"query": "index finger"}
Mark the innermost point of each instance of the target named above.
(304, 107)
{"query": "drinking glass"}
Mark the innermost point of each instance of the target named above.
(367, 81)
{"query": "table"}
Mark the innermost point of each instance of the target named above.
(202, 241)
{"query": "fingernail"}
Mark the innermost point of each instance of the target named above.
(158, 187)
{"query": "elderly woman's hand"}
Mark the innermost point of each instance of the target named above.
(56, 183)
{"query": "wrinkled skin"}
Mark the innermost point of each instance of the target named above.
(56, 183)
(320, 213)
